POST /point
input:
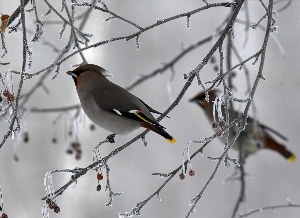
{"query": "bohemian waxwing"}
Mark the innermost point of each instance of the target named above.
(256, 136)
(110, 106)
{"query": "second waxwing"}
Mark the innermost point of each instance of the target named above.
(255, 137)
(112, 107)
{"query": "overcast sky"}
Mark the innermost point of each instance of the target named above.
(271, 178)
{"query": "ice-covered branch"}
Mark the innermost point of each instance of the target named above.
(133, 35)
(268, 208)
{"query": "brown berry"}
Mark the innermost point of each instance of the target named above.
(56, 209)
(26, 137)
(214, 124)
(98, 188)
(48, 201)
(181, 176)
(4, 215)
(192, 172)
(10, 98)
(99, 176)
(51, 205)
(212, 59)
(78, 156)
(216, 68)
(75, 145)
(5, 93)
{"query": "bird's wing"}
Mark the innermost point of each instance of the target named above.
(151, 109)
(122, 103)
(269, 129)
(274, 131)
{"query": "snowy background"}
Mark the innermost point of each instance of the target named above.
(271, 178)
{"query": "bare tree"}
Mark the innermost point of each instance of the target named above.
(75, 19)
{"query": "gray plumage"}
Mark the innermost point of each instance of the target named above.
(253, 138)
(110, 106)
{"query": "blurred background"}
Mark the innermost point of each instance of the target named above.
(270, 180)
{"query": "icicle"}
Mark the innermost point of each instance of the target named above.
(144, 141)
(188, 21)
(158, 197)
(137, 43)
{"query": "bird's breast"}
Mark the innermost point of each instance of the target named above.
(107, 120)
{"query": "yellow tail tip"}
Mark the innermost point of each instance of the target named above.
(292, 159)
(171, 140)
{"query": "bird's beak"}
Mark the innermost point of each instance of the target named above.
(197, 101)
(192, 99)
(71, 73)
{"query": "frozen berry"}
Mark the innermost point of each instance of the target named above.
(56, 209)
(99, 176)
(78, 156)
(5, 93)
(181, 176)
(26, 137)
(10, 98)
(192, 172)
(4, 215)
(214, 124)
(48, 201)
(75, 145)
(51, 205)
(92, 127)
(216, 68)
(98, 188)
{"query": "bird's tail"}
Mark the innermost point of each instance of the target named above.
(159, 130)
(281, 149)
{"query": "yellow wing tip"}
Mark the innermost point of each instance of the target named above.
(171, 140)
(292, 159)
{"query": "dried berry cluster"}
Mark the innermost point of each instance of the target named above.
(75, 147)
(213, 61)
(191, 173)
(99, 178)
(52, 205)
(4, 215)
(25, 137)
(9, 96)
